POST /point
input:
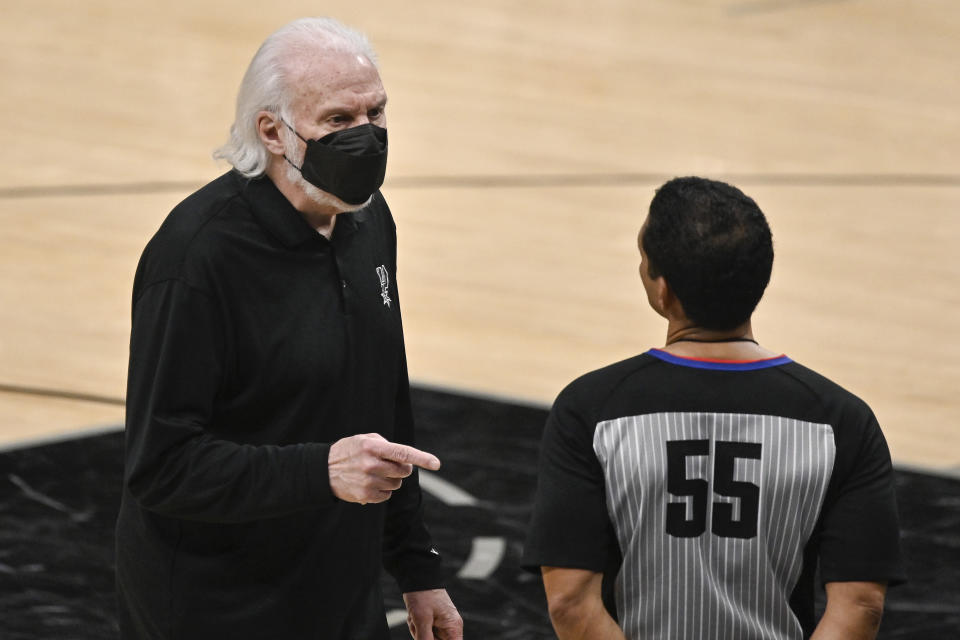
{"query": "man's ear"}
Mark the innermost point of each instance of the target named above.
(268, 127)
(667, 303)
(661, 294)
(655, 290)
(670, 305)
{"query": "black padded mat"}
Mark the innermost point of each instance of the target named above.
(58, 503)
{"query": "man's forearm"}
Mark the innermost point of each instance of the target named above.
(585, 621)
(849, 626)
(853, 611)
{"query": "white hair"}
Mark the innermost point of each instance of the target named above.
(265, 85)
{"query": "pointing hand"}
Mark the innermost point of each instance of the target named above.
(369, 468)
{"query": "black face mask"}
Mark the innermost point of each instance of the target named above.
(349, 163)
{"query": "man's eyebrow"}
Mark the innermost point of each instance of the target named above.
(344, 108)
(381, 103)
(332, 109)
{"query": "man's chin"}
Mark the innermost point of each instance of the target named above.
(346, 207)
(327, 200)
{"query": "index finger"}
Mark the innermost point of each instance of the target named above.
(403, 453)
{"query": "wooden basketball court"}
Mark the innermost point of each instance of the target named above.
(526, 142)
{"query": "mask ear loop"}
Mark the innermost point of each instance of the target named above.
(300, 169)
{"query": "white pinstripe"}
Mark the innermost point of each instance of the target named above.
(711, 586)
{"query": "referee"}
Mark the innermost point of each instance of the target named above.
(270, 472)
(695, 490)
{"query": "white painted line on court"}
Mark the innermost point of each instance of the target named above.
(448, 493)
(485, 557)
(396, 617)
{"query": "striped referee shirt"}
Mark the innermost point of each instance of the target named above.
(709, 493)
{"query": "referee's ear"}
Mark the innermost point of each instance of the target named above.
(661, 298)
(670, 306)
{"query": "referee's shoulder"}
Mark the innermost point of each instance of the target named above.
(827, 391)
(597, 384)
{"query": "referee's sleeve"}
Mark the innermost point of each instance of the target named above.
(860, 534)
(570, 526)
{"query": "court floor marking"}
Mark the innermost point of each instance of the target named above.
(447, 492)
(396, 617)
(499, 181)
(485, 556)
(486, 552)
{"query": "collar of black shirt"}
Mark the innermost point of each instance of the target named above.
(282, 221)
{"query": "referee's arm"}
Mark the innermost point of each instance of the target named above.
(576, 605)
(853, 611)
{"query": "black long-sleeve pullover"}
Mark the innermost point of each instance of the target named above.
(256, 343)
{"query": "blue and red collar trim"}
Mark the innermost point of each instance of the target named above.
(719, 365)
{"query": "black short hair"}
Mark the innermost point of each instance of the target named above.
(713, 246)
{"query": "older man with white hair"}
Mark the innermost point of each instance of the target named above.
(270, 467)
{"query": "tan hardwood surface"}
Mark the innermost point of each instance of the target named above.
(526, 142)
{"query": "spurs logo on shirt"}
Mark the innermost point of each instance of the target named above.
(384, 285)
